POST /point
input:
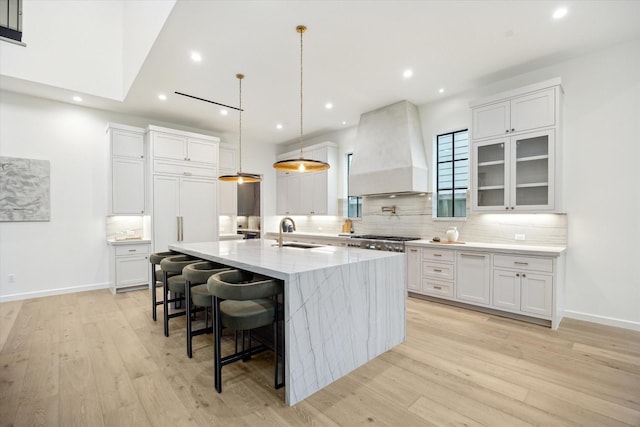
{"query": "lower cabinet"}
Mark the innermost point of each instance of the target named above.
(128, 266)
(473, 283)
(519, 284)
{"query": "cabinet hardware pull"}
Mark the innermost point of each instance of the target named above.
(507, 131)
(506, 207)
(524, 275)
(517, 274)
(513, 130)
(186, 173)
(437, 270)
(413, 250)
(437, 287)
(178, 228)
(520, 263)
(437, 254)
(472, 255)
(132, 250)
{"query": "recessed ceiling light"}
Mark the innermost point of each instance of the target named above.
(328, 106)
(441, 90)
(560, 13)
(77, 99)
(224, 112)
(196, 56)
(407, 74)
(162, 97)
(344, 122)
(279, 126)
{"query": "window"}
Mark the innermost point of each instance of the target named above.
(11, 19)
(453, 174)
(354, 203)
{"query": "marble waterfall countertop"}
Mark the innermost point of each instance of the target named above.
(343, 306)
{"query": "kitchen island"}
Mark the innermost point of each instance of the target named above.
(343, 306)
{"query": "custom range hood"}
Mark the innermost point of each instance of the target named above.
(388, 156)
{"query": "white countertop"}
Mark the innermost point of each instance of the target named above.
(493, 247)
(263, 257)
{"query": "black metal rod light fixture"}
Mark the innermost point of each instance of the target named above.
(301, 164)
(240, 177)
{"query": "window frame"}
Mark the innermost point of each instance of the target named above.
(358, 199)
(9, 33)
(453, 189)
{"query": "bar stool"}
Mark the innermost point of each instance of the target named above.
(156, 277)
(243, 300)
(197, 296)
(173, 280)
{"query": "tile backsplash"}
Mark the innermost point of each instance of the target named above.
(413, 217)
(135, 226)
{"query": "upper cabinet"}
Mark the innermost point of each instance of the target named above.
(183, 153)
(309, 193)
(520, 114)
(127, 185)
(516, 150)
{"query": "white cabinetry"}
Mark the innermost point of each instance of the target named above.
(516, 150)
(438, 272)
(127, 187)
(518, 114)
(473, 282)
(185, 188)
(414, 273)
(515, 173)
(128, 266)
(523, 285)
(309, 193)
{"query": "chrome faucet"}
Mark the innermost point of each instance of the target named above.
(280, 228)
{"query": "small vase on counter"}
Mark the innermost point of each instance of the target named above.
(452, 234)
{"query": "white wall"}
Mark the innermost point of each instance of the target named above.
(600, 175)
(68, 253)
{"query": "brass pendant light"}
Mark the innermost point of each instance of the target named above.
(301, 164)
(240, 177)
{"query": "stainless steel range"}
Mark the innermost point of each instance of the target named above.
(380, 243)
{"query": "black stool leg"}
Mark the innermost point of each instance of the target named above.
(165, 303)
(187, 301)
(217, 353)
(153, 292)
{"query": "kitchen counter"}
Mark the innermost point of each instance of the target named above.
(493, 247)
(326, 289)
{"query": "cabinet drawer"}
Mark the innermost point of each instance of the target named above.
(523, 263)
(440, 255)
(438, 270)
(132, 250)
(183, 168)
(437, 288)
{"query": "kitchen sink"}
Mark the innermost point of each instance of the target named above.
(299, 245)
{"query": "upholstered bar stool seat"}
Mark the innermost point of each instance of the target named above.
(154, 259)
(173, 280)
(197, 296)
(244, 301)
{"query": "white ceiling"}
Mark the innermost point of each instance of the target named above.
(354, 55)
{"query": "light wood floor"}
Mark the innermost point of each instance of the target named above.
(94, 359)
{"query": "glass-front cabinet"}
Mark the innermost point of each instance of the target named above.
(515, 173)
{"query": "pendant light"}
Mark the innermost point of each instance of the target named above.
(301, 164)
(240, 177)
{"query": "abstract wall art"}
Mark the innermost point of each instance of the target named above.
(24, 190)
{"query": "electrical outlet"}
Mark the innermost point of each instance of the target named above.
(11, 278)
(519, 236)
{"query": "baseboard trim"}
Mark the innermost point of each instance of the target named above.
(50, 292)
(603, 320)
